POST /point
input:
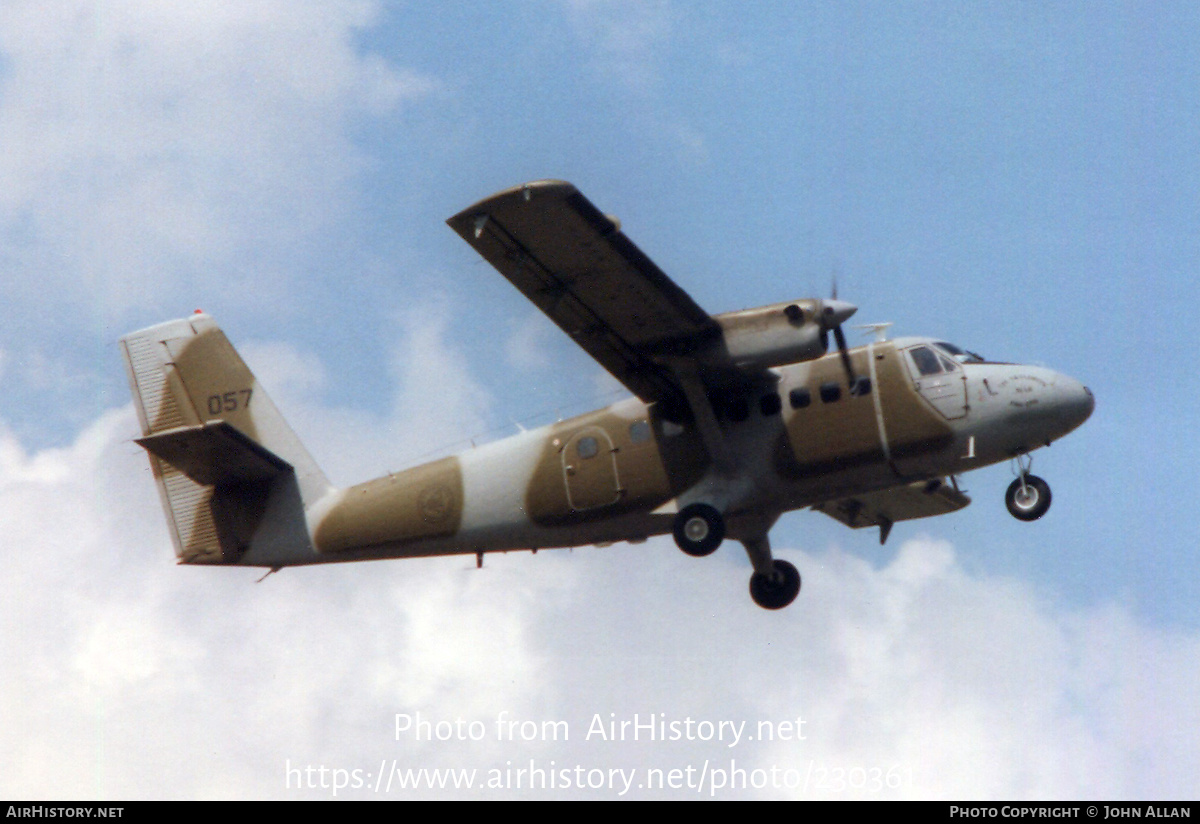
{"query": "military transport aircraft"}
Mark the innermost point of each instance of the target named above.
(737, 418)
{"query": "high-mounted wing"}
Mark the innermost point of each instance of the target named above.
(577, 266)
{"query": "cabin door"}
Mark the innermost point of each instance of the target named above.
(590, 469)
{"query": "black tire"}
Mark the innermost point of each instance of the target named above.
(1031, 503)
(777, 591)
(699, 530)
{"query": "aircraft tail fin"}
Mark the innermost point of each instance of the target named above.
(233, 477)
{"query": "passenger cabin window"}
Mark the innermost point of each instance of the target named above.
(831, 391)
(587, 447)
(769, 404)
(800, 398)
(639, 431)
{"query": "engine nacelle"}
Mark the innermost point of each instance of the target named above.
(779, 334)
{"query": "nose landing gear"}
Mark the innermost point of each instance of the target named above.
(1028, 497)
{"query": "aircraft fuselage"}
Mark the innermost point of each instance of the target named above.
(735, 419)
(621, 473)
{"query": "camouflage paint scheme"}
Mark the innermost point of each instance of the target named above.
(525, 492)
(743, 413)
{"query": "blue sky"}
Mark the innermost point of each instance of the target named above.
(1018, 178)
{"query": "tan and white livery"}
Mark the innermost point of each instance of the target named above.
(736, 419)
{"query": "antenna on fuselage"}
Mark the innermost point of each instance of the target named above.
(880, 330)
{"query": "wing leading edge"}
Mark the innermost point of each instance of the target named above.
(577, 266)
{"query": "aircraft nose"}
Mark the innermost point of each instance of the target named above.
(1075, 401)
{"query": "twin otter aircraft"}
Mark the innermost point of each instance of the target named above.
(737, 419)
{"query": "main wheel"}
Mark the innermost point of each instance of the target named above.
(777, 590)
(699, 529)
(1030, 502)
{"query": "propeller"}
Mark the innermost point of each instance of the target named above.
(833, 313)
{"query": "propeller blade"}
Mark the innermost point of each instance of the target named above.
(840, 337)
(833, 313)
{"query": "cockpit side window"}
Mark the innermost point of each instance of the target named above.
(925, 359)
(959, 354)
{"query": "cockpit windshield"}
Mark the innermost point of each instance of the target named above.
(959, 354)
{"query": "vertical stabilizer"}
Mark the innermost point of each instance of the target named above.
(233, 477)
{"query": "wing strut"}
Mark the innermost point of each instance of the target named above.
(704, 416)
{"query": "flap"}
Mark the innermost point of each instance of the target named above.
(922, 499)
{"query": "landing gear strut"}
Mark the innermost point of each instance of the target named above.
(775, 589)
(775, 583)
(1028, 497)
(699, 529)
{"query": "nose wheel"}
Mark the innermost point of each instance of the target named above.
(1028, 497)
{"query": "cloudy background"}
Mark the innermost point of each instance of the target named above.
(1019, 178)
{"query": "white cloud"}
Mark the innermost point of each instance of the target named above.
(151, 145)
(437, 406)
(434, 379)
(624, 37)
(130, 677)
(528, 345)
(628, 43)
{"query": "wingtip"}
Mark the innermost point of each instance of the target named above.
(522, 191)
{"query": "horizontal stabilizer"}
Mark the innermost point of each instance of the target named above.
(215, 454)
(922, 499)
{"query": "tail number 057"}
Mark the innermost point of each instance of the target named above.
(229, 401)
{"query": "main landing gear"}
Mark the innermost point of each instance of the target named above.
(777, 588)
(1028, 497)
(699, 529)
